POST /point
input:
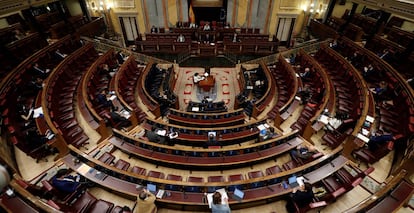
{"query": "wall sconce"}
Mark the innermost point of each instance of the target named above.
(309, 7)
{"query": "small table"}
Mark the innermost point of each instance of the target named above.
(207, 83)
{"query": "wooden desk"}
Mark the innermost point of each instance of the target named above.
(15, 204)
(194, 201)
(207, 83)
(326, 170)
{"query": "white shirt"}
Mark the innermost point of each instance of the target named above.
(198, 78)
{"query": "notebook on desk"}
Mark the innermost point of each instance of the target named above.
(293, 182)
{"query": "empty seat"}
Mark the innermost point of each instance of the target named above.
(273, 170)
(121, 164)
(156, 174)
(256, 174)
(233, 178)
(101, 206)
(194, 188)
(215, 179)
(171, 186)
(107, 158)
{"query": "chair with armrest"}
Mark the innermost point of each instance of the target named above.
(121, 164)
(273, 170)
(232, 178)
(107, 158)
(80, 205)
(156, 174)
(101, 206)
(256, 174)
(194, 188)
(173, 187)
(334, 187)
(210, 179)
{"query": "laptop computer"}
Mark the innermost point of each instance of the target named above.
(238, 194)
(152, 188)
(292, 182)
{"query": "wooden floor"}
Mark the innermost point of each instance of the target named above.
(29, 169)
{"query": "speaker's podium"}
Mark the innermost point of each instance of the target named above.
(207, 83)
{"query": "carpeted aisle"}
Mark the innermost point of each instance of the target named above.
(226, 86)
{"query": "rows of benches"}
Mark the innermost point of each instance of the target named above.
(60, 93)
(194, 158)
(21, 85)
(189, 119)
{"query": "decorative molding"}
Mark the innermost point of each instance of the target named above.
(289, 4)
(125, 3)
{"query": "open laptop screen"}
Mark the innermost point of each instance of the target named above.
(292, 182)
(152, 188)
(238, 194)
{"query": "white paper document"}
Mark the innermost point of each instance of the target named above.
(37, 112)
(363, 137)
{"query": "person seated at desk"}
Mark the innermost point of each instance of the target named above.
(36, 85)
(197, 78)
(212, 141)
(34, 139)
(306, 75)
(64, 182)
(119, 120)
(19, 34)
(145, 202)
(121, 57)
(154, 29)
(382, 92)
(106, 71)
(207, 27)
(303, 152)
(235, 38)
(154, 135)
(218, 206)
(181, 38)
(267, 133)
(104, 99)
(25, 113)
(378, 139)
(305, 94)
(192, 25)
(301, 196)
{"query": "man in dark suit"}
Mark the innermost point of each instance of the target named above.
(64, 182)
(153, 136)
(301, 196)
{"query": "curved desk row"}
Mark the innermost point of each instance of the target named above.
(191, 200)
(205, 158)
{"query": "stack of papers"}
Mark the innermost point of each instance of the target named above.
(161, 132)
(363, 137)
(324, 119)
(370, 119)
(37, 112)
